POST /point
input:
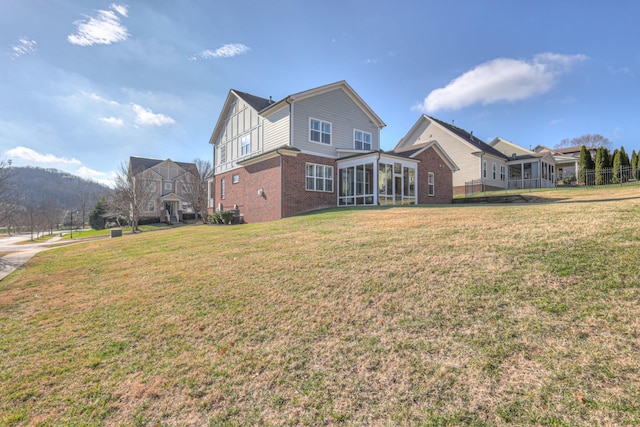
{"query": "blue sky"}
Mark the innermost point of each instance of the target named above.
(86, 84)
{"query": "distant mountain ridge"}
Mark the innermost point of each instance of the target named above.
(37, 186)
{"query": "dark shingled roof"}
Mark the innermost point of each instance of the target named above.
(480, 145)
(406, 153)
(139, 164)
(256, 102)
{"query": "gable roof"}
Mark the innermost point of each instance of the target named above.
(502, 144)
(414, 150)
(469, 138)
(342, 84)
(264, 106)
(141, 164)
(460, 133)
(255, 102)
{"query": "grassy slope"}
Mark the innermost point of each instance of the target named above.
(476, 315)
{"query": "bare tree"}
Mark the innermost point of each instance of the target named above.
(196, 185)
(588, 140)
(132, 193)
(8, 205)
(5, 178)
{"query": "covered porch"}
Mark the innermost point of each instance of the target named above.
(377, 179)
(532, 172)
(172, 207)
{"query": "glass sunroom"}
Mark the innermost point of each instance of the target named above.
(377, 179)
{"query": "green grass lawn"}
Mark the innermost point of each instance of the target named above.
(485, 315)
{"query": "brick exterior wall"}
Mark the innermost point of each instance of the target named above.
(283, 181)
(430, 161)
(280, 199)
(254, 207)
(295, 198)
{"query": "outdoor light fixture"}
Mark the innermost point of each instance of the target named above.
(260, 192)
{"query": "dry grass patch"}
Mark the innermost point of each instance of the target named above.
(471, 315)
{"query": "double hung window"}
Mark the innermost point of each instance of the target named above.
(245, 145)
(432, 184)
(361, 140)
(319, 131)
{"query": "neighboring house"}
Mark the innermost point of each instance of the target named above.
(163, 186)
(315, 149)
(567, 159)
(527, 169)
(490, 167)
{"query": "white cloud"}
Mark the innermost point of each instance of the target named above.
(27, 154)
(501, 79)
(103, 28)
(25, 46)
(105, 178)
(112, 121)
(140, 115)
(226, 51)
(145, 116)
(98, 98)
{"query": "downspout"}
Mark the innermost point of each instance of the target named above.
(377, 177)
(482, 171)
(288, 101)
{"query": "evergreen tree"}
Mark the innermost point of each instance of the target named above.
(616, 177)
(634, 164)
(624, 163)
(585, 164)
(96, 217)
(600, 160)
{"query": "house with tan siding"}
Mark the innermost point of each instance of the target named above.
(316, 149)
(495, 166)
(164, 187)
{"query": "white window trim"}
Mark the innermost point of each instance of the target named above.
(235, 179)
(222, 188)
(168, 186)
(363, 133)
(494, 171)
(315, 176)
(484, 169)
(330, 132)
(503, 172)
(245, 145)
(431, 184)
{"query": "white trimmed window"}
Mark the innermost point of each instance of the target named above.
(245, 145)
(168, 186)
(223, 154)
(151, 206)
(361, 140)
(494, 170)
(222, 188)
(319, 131)
(432, 184)
(503, 173)
(484, 169)
(235, 179)
(319, 177)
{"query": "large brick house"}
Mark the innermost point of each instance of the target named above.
(316, 149)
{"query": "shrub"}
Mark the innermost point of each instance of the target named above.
(222, 217)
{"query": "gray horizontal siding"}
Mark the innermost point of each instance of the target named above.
(337, 108)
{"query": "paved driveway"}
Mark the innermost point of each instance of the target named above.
(20, 253)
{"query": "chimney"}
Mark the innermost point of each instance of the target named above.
(270, 100)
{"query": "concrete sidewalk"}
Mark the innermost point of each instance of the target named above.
(20, 253)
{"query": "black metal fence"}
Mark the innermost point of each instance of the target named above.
(472, 187)
(624, 175)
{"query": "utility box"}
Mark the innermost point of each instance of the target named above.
(116, 232)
